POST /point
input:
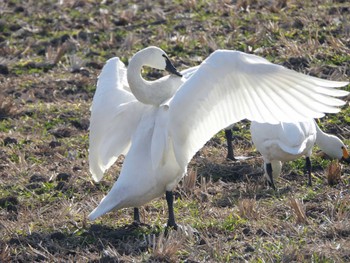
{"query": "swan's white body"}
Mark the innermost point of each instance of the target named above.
(283, 141)
(160, 133)
(288, 141)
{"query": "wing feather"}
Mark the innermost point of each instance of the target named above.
(115, 114)
(230, 86)
(160, 137)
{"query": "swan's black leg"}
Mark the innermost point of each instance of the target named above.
(137, 215)
(170, 201)
(228, 134)
(308, 169)
(270, 177)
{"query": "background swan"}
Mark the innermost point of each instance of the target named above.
(160, 133)
(289, 141)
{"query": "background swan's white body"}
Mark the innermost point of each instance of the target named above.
(283, 141)
(165, 134)
(289, 141)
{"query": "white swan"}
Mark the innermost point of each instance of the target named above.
(160, 125)
(289, 141)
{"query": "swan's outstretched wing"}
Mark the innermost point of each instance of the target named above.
(115, 114)
(230, 86)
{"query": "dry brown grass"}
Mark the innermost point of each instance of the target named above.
(189, 180)
(248, 208)
(298, 210)
(165, 247)
(8, 108)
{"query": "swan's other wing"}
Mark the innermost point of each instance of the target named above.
(230, 86)
(114, 116)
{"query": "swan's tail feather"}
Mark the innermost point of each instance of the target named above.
(108, 203)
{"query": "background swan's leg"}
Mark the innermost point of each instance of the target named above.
(137, 215)
(270, 177)
(229, 138)
(170, 201)
(308, 170)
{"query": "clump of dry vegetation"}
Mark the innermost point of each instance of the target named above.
(298, 210)
(7, 108)
(51, 53)
(333, 173)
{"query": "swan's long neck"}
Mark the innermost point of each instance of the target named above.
(150, 92)
(326, 142)
(140, 87)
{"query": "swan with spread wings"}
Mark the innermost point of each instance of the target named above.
(159, 125)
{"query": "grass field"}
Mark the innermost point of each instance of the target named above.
(51, 53)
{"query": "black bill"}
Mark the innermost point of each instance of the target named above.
(170, 67)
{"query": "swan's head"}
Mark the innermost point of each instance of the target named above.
(337, 149)
(156, 58)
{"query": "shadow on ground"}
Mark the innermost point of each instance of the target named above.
(97, 239)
